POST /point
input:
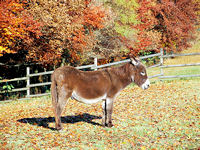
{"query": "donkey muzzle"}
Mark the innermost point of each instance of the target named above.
(146, 84)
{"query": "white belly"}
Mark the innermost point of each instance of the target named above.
(77, 97)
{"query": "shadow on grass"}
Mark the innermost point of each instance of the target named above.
(44, 122)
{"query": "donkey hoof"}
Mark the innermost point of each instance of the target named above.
(59, 128)
(104, 124)
(110, 125)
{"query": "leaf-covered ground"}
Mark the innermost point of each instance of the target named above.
(166, 116)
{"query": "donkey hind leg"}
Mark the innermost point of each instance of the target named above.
(62, 100)
(107, 112)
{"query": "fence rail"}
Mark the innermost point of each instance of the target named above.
(94, 66)
(179, 76)
(15, 79)
(180, 65)
(41, 73)
(175, 55)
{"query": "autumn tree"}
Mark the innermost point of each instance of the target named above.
(147, 25)
(76, 30)
(68, 29)
(146, 38)
(118, 36)
(176, 21)
(16, 26)
(166, 23)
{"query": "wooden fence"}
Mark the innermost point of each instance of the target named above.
(94, 66)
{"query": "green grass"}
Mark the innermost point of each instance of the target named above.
(166, 116)
(192, 70)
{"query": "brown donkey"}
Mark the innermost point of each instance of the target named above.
(93, 86)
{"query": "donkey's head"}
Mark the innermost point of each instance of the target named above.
(139, 73)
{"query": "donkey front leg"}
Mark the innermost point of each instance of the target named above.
(104, 117)
(107, 112)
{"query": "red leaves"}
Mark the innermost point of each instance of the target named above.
(68, 30)
(16, 24)
(165, 23)
(176, 22)
(82, 39)
(147, 21)
(82, 26)
(94, 17)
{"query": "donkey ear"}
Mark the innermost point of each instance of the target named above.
(134, 61)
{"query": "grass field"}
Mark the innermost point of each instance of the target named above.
(166, 116)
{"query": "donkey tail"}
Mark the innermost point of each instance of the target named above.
(54, 93)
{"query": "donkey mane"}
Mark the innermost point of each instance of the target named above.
(122, 70)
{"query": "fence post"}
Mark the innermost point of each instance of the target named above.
(95, 62)
(28, 81)
(161, 61)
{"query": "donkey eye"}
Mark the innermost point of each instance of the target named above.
(142, 73)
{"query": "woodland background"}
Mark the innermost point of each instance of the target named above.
(45, 34)
(54, 31)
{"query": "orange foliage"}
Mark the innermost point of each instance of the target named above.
(16, 24)
(83, 38)
(94, 17)
(167, 23)
(176, 21)
(146, 23)
(69, 29)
